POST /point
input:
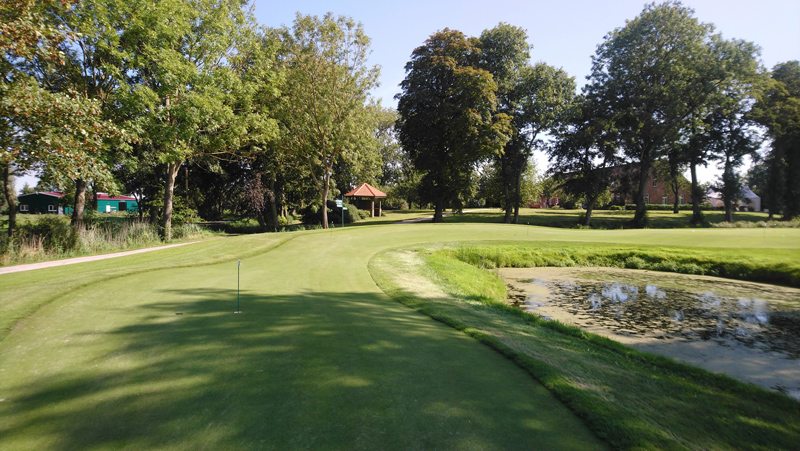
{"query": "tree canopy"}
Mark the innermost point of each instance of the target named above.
(448, 119)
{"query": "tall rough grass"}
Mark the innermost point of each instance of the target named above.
(51, 237)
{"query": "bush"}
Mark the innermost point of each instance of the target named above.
(616, 208)
(51, 232)
(312, 215)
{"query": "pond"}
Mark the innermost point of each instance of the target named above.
(746, 330)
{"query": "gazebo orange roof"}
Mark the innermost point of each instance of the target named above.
(365, 190)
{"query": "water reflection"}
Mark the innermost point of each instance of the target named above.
(666, 314)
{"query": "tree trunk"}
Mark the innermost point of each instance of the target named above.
(438, 215)
(273, 204)
(94, 198)
(11, 199)
(504, 169)
(517, 195)
(675, 191)
(169, 189)
(79, 205)
(697, 215)
(641, 208)
(587, 220)
(325, 206)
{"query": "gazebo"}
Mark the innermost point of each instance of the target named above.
(365, 196)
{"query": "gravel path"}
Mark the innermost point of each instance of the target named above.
(72, 261)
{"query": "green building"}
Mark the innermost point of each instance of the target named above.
(51, 203)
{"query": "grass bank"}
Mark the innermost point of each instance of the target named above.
(777, 266)
(631, 399)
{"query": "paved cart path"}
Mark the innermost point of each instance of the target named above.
(91, 258)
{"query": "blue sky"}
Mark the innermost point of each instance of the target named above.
(564, 33)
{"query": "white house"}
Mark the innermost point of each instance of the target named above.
(752, 202)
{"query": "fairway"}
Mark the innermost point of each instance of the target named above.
(132, 353)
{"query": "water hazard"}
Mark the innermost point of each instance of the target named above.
(668, 313)
(749, 331)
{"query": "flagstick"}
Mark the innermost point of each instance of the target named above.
(237, 287)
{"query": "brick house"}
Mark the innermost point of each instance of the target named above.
(657, 191)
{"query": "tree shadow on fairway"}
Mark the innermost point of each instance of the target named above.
(308, 371)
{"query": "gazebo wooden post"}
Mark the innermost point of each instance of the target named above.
(367, 192)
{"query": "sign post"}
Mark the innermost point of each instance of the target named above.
(340, 204)
(237, 287)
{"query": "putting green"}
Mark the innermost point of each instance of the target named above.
(319, 358)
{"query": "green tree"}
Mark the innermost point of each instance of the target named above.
(779, 111)
(651, 74)
(535, 97)
(732, 134)
(584, 154)
(186, 97)
(92, 70)
(447, 117)
(60, 131)
(323, 112)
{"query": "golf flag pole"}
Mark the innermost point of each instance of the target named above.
(237, 286)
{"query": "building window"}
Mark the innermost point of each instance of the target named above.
(681, 201)
(665, 200)
(52, 209)
(655, 183)
(23, 207)
(647, 198)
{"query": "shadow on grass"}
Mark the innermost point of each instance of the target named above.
(309, 371)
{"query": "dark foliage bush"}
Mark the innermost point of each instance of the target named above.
(312, 215)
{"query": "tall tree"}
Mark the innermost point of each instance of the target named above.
(186, 97)
(324, 112)
(732, 134)
(584, 154)
(779, 111)
(535, 97)
(92, 70)
(62, 132)
(448, 120)
(651, 75)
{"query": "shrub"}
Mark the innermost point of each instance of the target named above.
(51, 231)
(635, 263)
(312, 215)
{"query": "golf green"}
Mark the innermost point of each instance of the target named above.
(319, 358)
